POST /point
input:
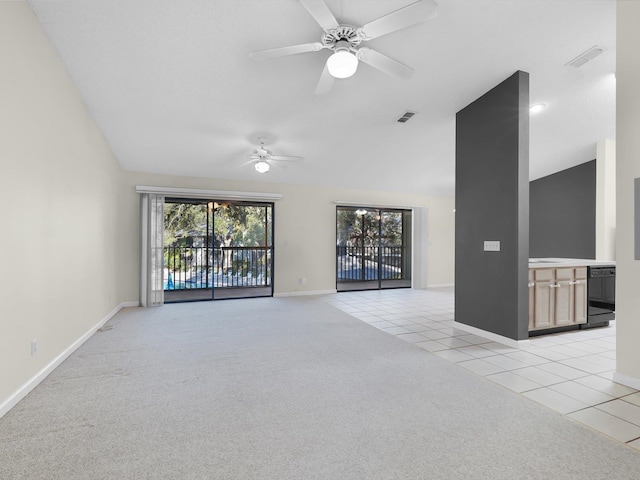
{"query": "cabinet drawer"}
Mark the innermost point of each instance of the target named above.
(543, 274)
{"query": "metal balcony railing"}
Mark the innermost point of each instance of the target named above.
(358, 264)
(220, 267)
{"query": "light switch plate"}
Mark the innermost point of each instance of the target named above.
(492, 245)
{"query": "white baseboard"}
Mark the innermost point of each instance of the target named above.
(440, 285)
(305, 293)
(627, 380)
(24, 390)
(509, 342)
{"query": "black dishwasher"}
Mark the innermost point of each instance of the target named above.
(601, 285)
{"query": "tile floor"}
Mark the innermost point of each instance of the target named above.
(569, 372)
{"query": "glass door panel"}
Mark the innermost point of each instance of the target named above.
(217, 250)
(395, 256)
(243, 250)
(373, 248)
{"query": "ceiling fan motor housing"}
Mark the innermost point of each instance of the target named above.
(344, 33)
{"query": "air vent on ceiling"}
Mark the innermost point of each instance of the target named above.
(584, 57)
(406, 116)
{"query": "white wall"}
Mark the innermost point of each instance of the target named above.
(606, 200)
(305, 228)
(628, 168)
(59, 187)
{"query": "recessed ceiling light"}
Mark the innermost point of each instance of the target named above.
(538, 107)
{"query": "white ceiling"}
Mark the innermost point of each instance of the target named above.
(171, 85)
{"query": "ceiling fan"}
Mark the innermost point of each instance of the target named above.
(261, 158)
(344, 40)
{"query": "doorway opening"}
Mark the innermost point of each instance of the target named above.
(216, 250)
(373, 248)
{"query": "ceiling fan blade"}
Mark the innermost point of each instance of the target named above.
(403, 18)
(244, 164)
(283, 51)
(382, 62)
(319, 10)
(278, 163)
(325, 83)
(286, 158)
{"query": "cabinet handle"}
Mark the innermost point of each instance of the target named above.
(554, 286)
(532, 284)
(577, 282)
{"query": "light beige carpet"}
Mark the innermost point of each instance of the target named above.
(287, 388)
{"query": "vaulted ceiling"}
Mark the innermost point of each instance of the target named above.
(172, 87)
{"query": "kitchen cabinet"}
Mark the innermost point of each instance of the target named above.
(564, 297)
(559, 297)
(531, 299)
(543, 293)
(581, 293)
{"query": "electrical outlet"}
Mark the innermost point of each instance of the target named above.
(34, 347)
(303, 280)
(492, 245)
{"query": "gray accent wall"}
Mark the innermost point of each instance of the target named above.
(563, 214)
(492, 203)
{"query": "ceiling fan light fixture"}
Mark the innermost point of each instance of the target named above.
(262, 166)
(342, 64)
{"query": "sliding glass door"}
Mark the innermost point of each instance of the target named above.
(373, 248)
(217, 250)
(243, 250)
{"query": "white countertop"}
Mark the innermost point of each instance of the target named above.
(567, 262)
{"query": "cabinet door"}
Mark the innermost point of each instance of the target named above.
(580, 295)
(564, 293)
(531, 300)
(544, 298)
